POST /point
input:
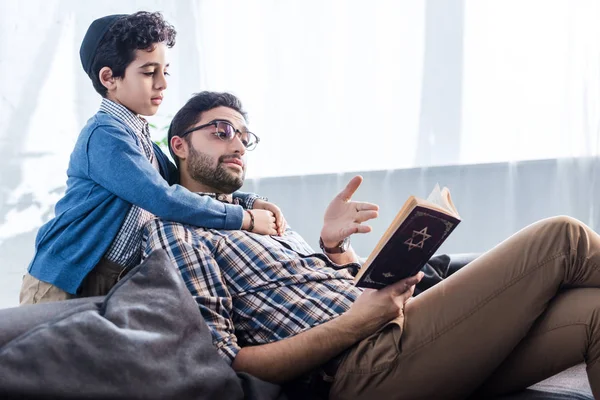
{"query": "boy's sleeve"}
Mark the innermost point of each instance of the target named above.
(115, 162)
(248, 199)
(202, 276)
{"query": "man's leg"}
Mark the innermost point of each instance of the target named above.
(458, 332)
(35, 291)
(567, 334)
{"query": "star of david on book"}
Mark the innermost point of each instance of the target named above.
(420, 224)
(423, 236)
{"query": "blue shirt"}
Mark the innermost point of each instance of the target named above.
(108, 173)
(125, 250)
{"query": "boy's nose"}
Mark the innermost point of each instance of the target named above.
(160, 82)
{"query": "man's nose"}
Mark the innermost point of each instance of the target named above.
(238, 145)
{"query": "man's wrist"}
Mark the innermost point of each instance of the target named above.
(338, 248)
(350, 326)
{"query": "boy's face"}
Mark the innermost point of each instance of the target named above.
(141, 88)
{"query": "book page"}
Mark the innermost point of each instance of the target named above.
(441, 197)
(436, 196)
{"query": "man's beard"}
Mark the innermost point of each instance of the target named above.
(201, 170)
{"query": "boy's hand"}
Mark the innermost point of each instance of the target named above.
(264, 222)
(280, 221)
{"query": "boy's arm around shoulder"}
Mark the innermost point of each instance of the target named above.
(115, 161)
(248, 199)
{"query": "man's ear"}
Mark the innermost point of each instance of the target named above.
(107, 79)
(179, 147)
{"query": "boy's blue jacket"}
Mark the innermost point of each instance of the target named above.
(107, 174)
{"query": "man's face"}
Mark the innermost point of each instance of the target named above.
(141, 88)
(213, 162)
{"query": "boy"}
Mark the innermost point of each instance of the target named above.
(117, 178)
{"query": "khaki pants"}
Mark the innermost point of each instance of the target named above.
(522, 312)
(97, 283)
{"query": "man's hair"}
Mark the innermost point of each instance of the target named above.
(191, 113)
(116, 50)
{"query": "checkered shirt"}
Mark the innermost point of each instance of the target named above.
(254, 289)
(125, 250)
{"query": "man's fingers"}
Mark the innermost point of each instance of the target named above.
(363, 216)
(403, 285)
(363, 229)
(408, 294)
(355, 228)
(347, 193)
(364, 206)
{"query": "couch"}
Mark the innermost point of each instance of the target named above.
(147, 340)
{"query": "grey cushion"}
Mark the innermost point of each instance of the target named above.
(145, 340)
(570, 384)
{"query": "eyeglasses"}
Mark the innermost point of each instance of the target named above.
(226, 132)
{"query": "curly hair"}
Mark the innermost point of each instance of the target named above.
(191, 113)
(116, 50)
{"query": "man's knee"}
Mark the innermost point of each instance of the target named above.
(562, 226)
(563, 222)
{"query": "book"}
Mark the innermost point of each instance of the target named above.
(415, 234)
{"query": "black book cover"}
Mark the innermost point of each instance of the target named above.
(409, 248)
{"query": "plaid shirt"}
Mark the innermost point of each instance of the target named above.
(125, 250)
(254, 289)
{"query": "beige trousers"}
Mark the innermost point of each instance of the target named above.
(97, 283)
(520, 313)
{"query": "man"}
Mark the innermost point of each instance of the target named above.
(279, 310)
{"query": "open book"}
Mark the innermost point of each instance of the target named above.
(419, 229)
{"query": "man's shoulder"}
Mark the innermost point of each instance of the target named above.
(171, 229)
(156, 224)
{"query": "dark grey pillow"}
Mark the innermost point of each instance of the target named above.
(146, 340)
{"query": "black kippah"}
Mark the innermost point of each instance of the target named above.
(92, 39)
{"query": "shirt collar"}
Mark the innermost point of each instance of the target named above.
(225, 198)
(133, 121)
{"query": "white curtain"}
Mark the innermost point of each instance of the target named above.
(340, 86)
(331, 86)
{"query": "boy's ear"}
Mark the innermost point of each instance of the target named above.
(107, 79)
(179, 147)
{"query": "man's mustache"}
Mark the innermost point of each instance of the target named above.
(224, 158)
